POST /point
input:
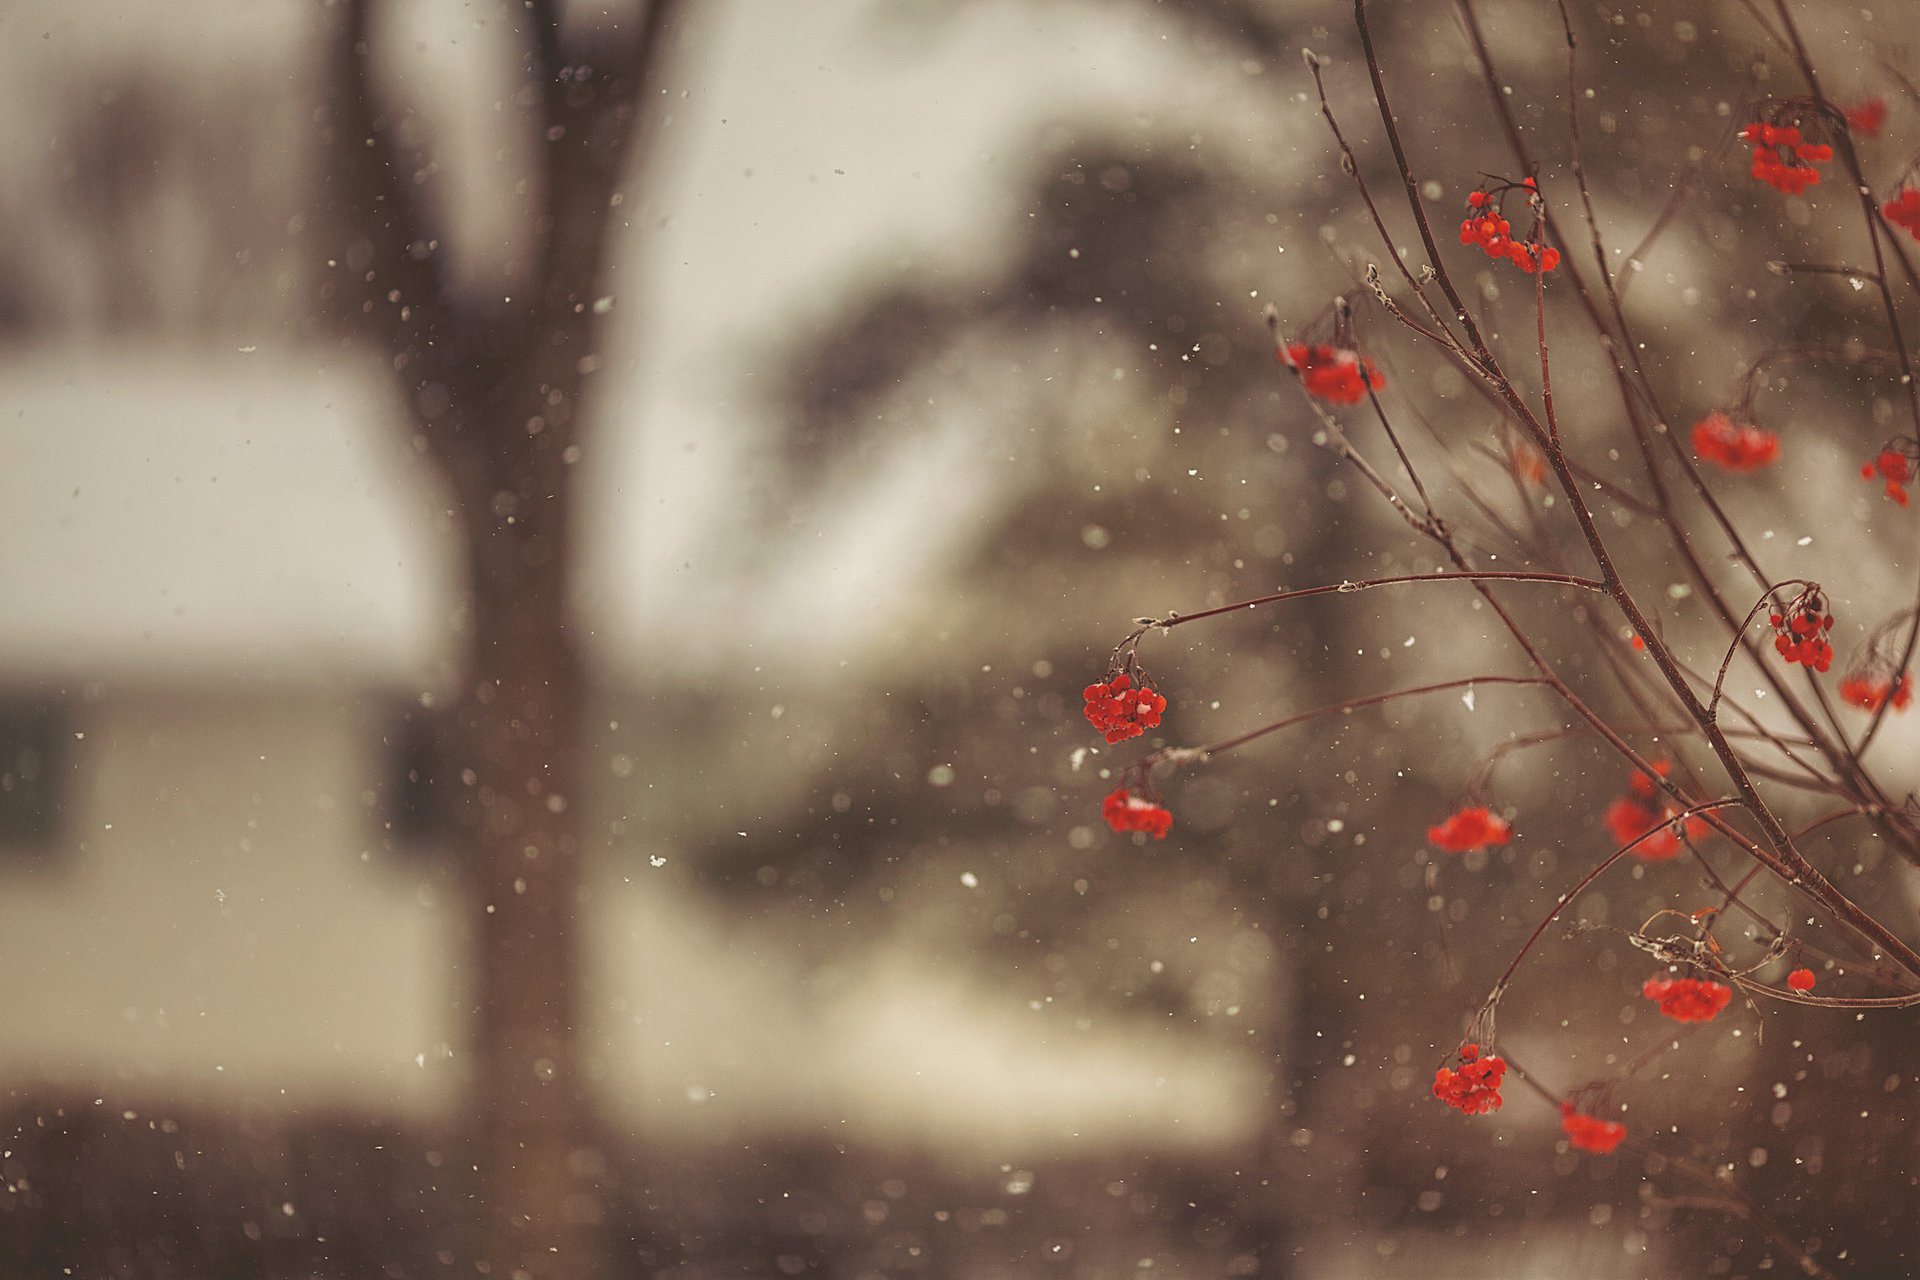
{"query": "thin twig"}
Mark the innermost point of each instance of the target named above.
(1182, 755)
(1173, 620)
(1785, 859)
(1351, 164)
(1565, 899)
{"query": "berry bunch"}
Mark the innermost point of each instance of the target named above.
(1688, 999)
(1893, 464)
(1904, 211)
(1734, 445)
(1800, 633)
(1783, 159)
(1869, 692)
(1866, 118)
(1475, 1088)
(1126, 812)
(1337, 375)
(1632, 816)
(1120, 711)
(1485, 227)
(1590, 1133)
(1474, 828)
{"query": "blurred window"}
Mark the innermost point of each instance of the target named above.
(413, 806)
(34, 735)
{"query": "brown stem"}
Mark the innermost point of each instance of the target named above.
(1346, 588)
(1794, 868)
(1875, 230)
(1500, 987)
(1352, 165)
(1414, 202)
(1180, 755)
(1637, 387)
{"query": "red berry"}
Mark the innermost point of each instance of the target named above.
(1688, 999)
(1126, 812)
(1735, 446)
(1473, 828)
(1590, 1133)
(1334, 374)
(1475, 1088)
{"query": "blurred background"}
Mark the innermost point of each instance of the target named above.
(917, 350)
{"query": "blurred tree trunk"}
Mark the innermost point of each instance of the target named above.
(494, 388)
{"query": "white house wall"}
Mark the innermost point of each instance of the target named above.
(209, 927)
(221, 924)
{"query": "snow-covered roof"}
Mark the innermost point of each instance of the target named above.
(170, 515)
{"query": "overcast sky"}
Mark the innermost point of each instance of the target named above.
(819, 146)
(812, 149)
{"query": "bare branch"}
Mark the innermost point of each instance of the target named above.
(385, 276)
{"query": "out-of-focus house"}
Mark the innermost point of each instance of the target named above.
(231, 606)
(226, 585)
(230, 593)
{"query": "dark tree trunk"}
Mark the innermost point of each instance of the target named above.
(519, 721)
(494, 390)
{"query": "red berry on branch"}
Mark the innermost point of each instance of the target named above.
(1735, 446)
(1125, 812)
(1119, 711)
(1866, 118)
(1893, 464)
(1333, 374)
(1869, 692)
(1630, 817)
(1688, 999)
(1782, 159)
(1494, 234)
(1800, 632)
(1903, 211)
(1475, 1088)
(1473, 828)
(1627, 820)
(1590, 1133)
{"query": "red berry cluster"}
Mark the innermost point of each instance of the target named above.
(1904, 211)
(1475, 1087)
(1632, 816)
(1688, 999)
(1627, 820)
(1125, 812)
(1800, 980)
(1119, 710)
(1485, 227)
(1866, 118)
(1869, 692)
(1800, 634)
(1782, 159)
(1474, 828)
(1334, 374)
(1894, 465)
(1733, 445)
(1590, 1133)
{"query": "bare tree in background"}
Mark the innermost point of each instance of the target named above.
(494, 389)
